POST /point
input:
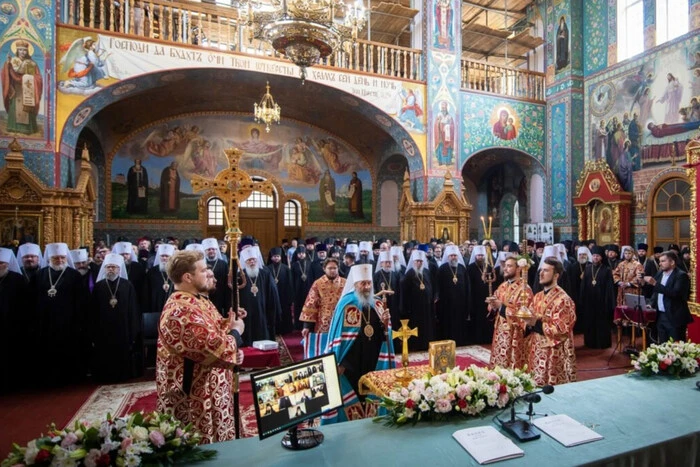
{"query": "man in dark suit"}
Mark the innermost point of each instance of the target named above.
(670, 298)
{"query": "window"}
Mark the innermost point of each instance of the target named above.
(516, 222)
(671, 19)
(258, 199)
(292, 214)
(630, 28)
(671, 213)
(215, 212)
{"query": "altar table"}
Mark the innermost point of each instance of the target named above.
(645, 421)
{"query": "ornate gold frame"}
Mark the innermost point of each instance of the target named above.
(692, 151)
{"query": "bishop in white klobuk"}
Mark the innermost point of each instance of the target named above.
(259, 298)
(115, 324)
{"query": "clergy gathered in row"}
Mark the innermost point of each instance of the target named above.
(105, 315)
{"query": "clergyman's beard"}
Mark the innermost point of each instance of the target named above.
(546, 284)
(83, 271)
(419, 270)
(58, 267)
(583, 260)
(31, 268)
(454, 263)
(364, 257)
(386, 269)
(397, 266)
(111, 276)
(252, 271)
(363, 299)
(162, 267)
(4, 272)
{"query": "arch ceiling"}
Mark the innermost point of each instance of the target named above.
(478, 164)
(134, 103)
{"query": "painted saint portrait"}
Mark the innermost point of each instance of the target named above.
(444, 128)
(504, 127)
(443, 31)
(22, 89)
(84, 65)
(562, 57)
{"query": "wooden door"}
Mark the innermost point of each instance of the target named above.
(261, 223)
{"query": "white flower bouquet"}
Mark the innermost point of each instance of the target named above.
(455, 393)
(138, 439)
(673, 358)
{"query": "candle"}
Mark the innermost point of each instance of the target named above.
(490, 220)
(484, 224)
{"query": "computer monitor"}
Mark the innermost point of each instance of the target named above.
(288, 395)
(633, 300)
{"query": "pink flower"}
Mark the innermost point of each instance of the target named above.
(179, 432)
(157, 438)
(443, 406)
(126, 443)
(69, 440)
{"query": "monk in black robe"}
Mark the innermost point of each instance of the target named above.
(417, 301)
(115, 326)
(597, 303)
(14, 325)
(282, 276)
(60, 317)
(259, 298)
(386, 278)
(575, 271)
(480, 322)
(453, 298)
(302, 280)
(221, 296)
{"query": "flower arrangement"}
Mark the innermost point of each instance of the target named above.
(673, 358)
(138, 439)
(457, 392)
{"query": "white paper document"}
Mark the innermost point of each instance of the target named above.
(487, 445)
(566, 430)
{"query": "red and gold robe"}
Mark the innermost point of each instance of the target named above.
(321, 301)
(508, 347)
(191, 328)
(625, 272)
(551, 355)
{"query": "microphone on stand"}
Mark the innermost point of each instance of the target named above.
(522, 430)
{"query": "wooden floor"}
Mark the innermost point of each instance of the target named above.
(26, 415)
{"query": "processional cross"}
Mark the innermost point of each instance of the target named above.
(404, 334)
(232, 186)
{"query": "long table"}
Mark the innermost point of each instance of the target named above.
(645, 421)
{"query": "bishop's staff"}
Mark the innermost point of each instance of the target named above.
(232, 186)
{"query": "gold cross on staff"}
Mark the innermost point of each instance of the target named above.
(404, 334)
(233, 186)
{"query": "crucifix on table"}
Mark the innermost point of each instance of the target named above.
(232, 186)
(404, 334)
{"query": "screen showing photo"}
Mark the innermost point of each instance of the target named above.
(287, 396)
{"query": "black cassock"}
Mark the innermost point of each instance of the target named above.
(282, 276)
(597, 306)
(417, 305)
(136, 272)
(221, 297)
(150, 316)
(364, 352)
(453, 302)
(263, 307)
(480, 329)
(302, 280)
(61, 324)
(115, 331)
(15, 328)
(575, 273)
(391, 281)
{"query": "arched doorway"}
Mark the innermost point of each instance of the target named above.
(670, 213)
(503, 180)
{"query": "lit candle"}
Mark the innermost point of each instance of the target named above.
(484, 224)
(490, 220)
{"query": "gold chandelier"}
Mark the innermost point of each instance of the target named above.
(305, 31)
(267, 111)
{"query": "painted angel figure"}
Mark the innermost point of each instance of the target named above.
(85, 64)
(411, 110)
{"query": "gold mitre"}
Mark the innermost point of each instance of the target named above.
(21, 44)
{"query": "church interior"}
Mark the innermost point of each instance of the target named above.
(548, 120)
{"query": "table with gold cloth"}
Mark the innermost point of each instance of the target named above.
(380, 383)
